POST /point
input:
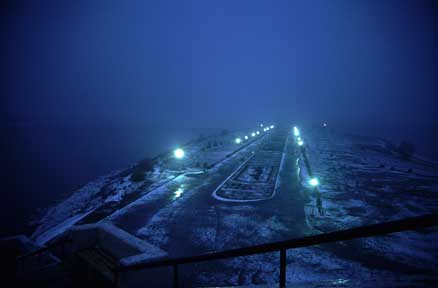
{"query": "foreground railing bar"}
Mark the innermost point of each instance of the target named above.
(282, 268)
(407, 224)
(175, 275)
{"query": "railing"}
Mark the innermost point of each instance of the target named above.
(408, 224)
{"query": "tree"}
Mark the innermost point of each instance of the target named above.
(137, 176)
(140, 169)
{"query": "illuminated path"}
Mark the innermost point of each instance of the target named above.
(242, 187)
(136, 214)
(183, 218)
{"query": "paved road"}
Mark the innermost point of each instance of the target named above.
(183, 218)
(185, 209)
(138, 213)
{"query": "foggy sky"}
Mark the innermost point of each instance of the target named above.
(217, 63)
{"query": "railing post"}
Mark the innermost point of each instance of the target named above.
(21, 265)
(63, 251)
(116, 273)
(175, 275)
(282, 268)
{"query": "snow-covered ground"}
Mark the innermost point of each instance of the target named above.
(362, 180)
(109, 193)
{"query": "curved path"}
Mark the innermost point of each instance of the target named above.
(245, 185)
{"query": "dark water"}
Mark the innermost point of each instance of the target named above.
(42, 165)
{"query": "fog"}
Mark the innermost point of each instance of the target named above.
(110, 82)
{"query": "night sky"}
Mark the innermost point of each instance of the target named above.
(360, 65)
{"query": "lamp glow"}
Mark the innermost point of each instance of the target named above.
(238, 140)
(258, 132)
(246, 137)
(300, 143)
(272, 126)
(314, 182)
(253, 134)
(178, 153)
(296, 131)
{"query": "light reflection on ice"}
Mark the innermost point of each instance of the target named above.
(178, 192)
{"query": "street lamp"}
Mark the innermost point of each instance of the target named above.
(246, 137)
(300, 143)
(314, 182)
(296, 131)
(272, 126)
(238, 140)
(178, 153)
(253, 134)
(258, 132)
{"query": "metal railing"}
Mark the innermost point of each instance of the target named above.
(408, 224)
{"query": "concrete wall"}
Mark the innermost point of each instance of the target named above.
(128, 249)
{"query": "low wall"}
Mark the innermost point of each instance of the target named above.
(128, 249)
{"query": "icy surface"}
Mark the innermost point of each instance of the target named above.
(363, 181)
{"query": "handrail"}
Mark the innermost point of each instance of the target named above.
(407, 224)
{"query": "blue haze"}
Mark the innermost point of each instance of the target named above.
(91, 86)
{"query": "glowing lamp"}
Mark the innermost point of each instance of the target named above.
(296, 131)
(314, 182)
(178, 153)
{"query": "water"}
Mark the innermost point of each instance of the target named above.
(44, 164)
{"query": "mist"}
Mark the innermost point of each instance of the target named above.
(90, 87)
